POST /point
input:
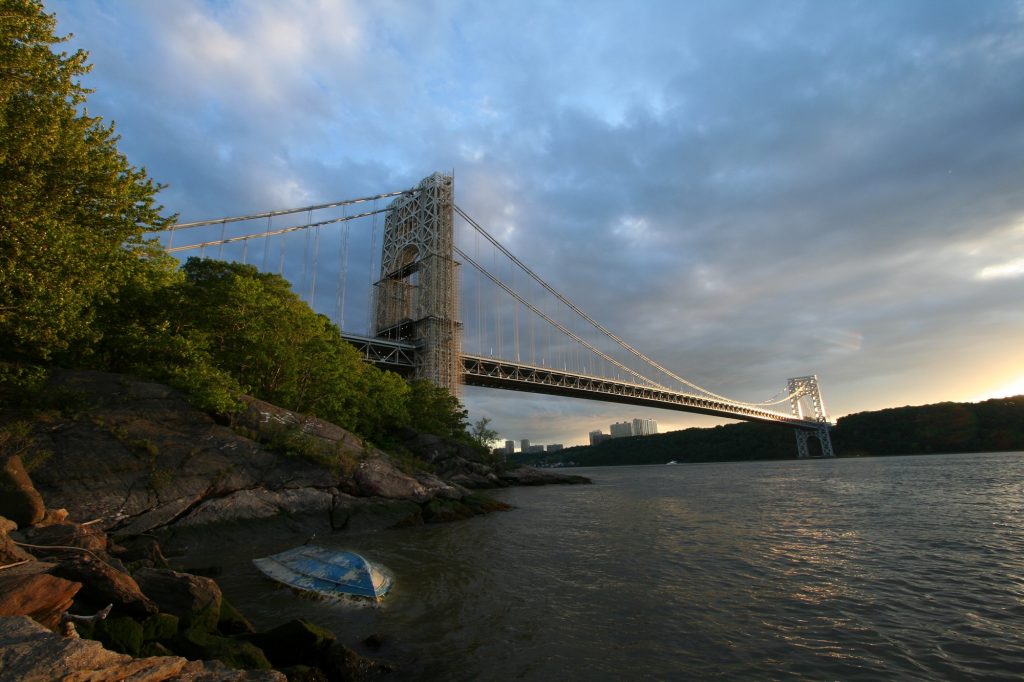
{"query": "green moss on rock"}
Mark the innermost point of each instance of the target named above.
(159, 626)
(119, 633)
(481, 504)
(297, 642)
(198, 644)
(442, 511)
(231, 621)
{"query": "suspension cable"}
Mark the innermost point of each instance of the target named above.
(274, 233)
(556, 324)
(597, 325)
(287, 211)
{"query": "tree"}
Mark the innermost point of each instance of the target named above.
(72, 209)
(482, 434)
(434, 410)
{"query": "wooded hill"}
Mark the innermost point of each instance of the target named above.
(989, 426)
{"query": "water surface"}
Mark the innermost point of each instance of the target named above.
(875, 568)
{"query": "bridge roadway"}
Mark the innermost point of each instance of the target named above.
(490, 372)
(496, 373)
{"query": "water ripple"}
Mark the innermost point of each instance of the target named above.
(867, 569)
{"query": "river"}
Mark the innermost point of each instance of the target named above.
(874, 568)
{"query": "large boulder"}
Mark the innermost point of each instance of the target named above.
(237, 653)
(19, 500)
(258, 503)
(28, 591)
(144, 549)
(341, 663)
(379, 477)
(195, 600)
(362, 515)
(30, 653)
(10, 553)
(68, 534)
(103, 584)
(297, 642)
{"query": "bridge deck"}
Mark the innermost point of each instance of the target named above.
(495, 373)
(478, 370)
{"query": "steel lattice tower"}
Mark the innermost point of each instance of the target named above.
(800, 387)
(416, 298)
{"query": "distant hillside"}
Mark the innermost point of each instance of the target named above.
(989, 426)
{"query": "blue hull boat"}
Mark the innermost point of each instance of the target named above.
(326, 572)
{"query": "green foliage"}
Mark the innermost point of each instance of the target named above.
(482, 434)
(21, 385)
(71, 202)
(80, 286)
(989, 426)
(436, 411)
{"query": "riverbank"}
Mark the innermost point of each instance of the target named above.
(124, 461)
(995, 425)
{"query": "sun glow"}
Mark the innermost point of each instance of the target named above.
(1012, 388)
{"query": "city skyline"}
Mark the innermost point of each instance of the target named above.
(745, 191)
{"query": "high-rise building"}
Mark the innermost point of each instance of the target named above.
(598, 436)
(621, 429)
(644, 427)
(510, 447)
(554, 447)
(524, 445)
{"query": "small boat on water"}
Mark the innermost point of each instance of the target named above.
(326, 572)
(672, 462)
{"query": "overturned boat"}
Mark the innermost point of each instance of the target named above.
(326, 572)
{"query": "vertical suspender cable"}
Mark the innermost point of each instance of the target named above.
(316, 261)
(280, 254)
(342, 271)
(305, 265)
(220, 252)
(515, 318)
(373, 256)
(479, 301)
(497, 306)
(266, 245)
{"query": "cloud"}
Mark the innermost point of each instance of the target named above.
(745, 191)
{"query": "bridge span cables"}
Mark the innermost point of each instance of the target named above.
(308, 210)
(594, 323)
(560, 327)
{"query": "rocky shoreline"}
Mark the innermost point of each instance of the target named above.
(122, 462)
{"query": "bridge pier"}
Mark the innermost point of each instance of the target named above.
(807, 387)
(802, 435)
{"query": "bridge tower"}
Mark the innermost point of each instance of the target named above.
(807, 387)
(416, 298)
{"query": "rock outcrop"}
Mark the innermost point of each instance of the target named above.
(31, 653)
(19, 500)
(30, 590)
(157, 463)
(10, 553)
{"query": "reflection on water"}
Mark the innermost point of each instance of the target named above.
(909, 568)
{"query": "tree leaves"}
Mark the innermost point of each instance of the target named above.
(69, 201)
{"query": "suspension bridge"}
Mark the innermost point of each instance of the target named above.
(528, 336)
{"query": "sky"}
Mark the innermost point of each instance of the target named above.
(745, 190)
